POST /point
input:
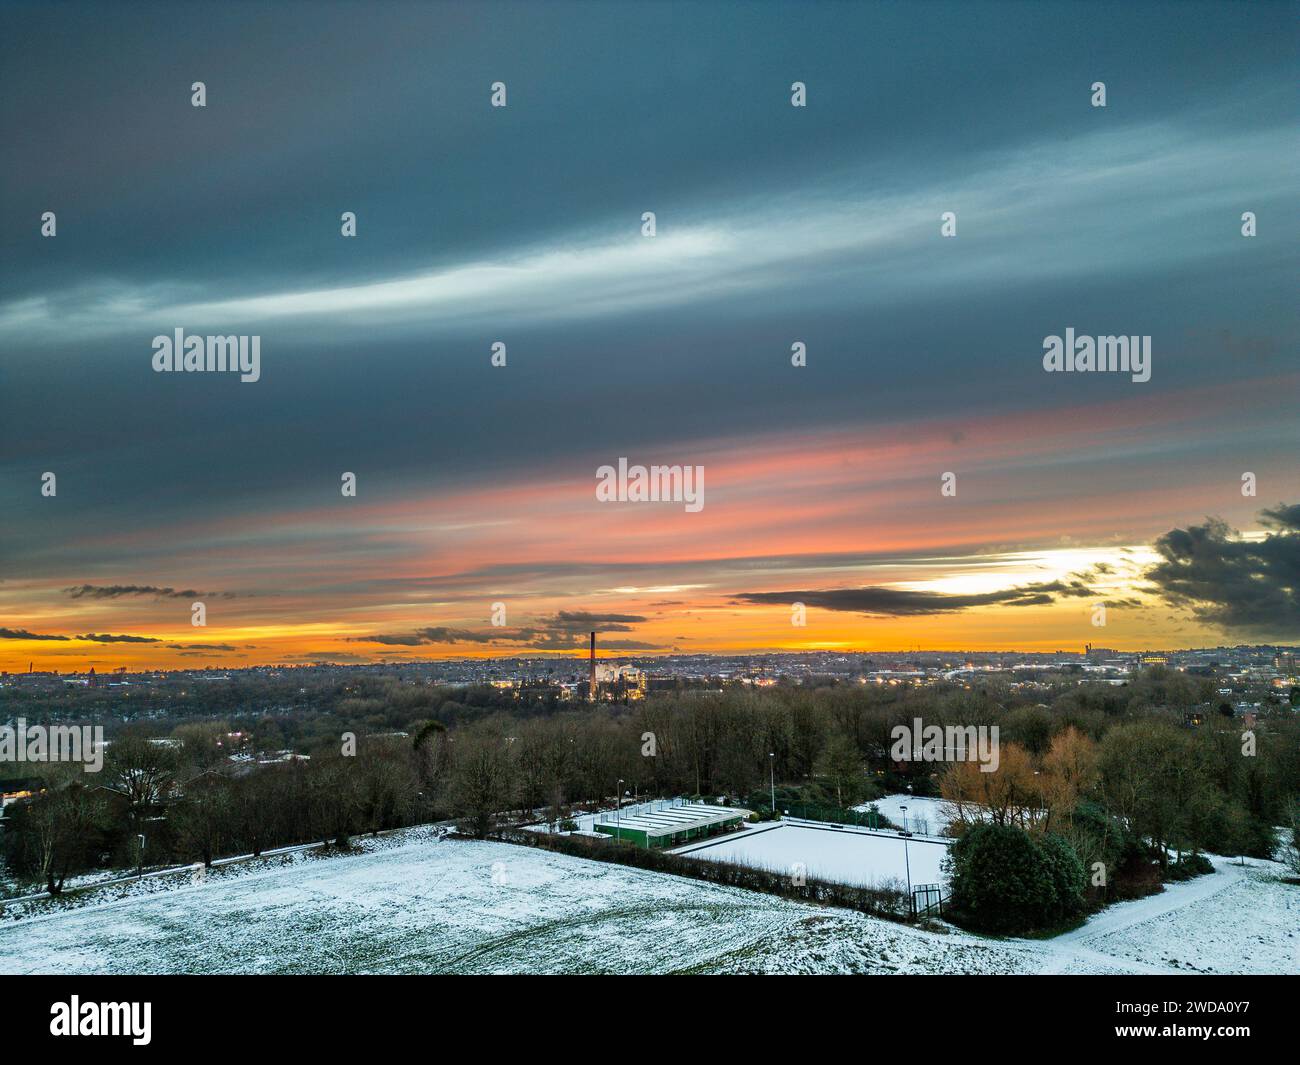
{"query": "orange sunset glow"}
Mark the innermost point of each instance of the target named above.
(416, 576)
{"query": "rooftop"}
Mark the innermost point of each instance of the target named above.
(670, 819)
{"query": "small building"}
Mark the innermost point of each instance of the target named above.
(671, 825)
(15, 788)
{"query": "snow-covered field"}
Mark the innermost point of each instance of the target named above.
(926, 817)
(466, 907)
(842, 856)
(1237, 920)
(411, 903)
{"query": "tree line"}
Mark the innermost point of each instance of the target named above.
(1099, 766)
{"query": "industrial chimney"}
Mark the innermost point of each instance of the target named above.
(593, 668)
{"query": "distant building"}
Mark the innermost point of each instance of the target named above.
(15, 788)
(669, 826)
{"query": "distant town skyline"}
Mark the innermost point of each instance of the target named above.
(770, 663)
(1173, 503)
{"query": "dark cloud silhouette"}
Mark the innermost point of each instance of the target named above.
(200, 647)
(896, 602)
(582, 621)
(326, 656)
(567, 630)
(562, 631)
(1249, 585)
(440, 634)
(104, 637)
(575, 641)
(122, 591)
(23, 634)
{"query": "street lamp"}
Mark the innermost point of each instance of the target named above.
(618, 811)
(907, 864)
(771, 765)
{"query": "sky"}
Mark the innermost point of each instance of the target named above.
(1174, 503)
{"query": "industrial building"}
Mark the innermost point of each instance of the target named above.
(671, 825)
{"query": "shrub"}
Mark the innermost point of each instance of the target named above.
(1292, 855)
(1137, 874)
(1095, 834)
(1258, 838)
(1068, 878)
(1189, 866)
(1005, 882)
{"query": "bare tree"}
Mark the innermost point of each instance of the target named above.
(202, 817)
(62, 823)
(141, 771)
(482, 781)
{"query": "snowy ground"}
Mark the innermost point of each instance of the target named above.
(411, 903)
(1237, 920)
(463, 907)
(842, 856)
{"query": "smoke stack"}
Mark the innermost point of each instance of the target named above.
(592, 684)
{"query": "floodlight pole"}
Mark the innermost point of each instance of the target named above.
(907, 864)
(618, 811)
(771, 765)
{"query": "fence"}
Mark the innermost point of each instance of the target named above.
(927, 899)
(839, 815)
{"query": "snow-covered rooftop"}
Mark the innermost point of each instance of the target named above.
(672, 819)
